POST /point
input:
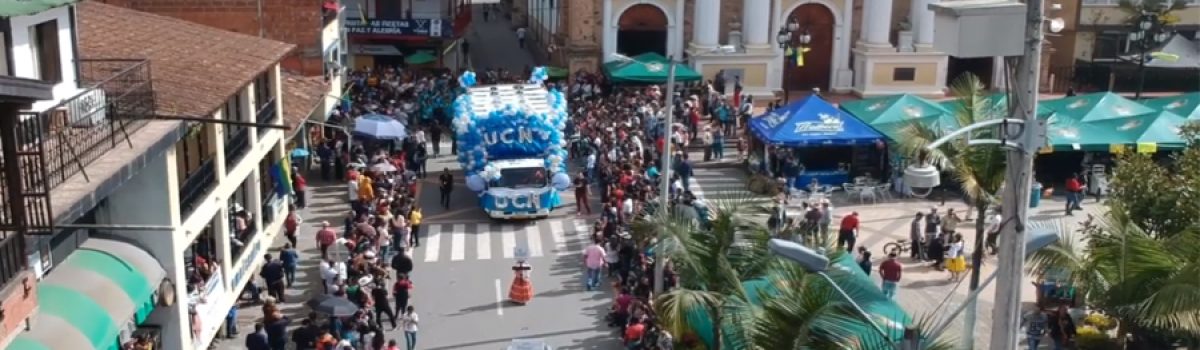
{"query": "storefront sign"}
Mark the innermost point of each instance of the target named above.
(433, 28)
(828, 124)
(210, 316)
(247, 262)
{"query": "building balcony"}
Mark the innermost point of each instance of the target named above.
(61, 142)
(197, 184)
(236, 148)
(267, 114)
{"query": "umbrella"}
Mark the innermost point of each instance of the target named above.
(384, 167)
(380, 127)
(332, 306)
(421, 57)
(300, 153)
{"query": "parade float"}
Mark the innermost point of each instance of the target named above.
(511, 146)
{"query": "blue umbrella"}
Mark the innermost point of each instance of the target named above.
(380, 127)
(300, 153)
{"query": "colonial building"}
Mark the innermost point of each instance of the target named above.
(868, 47)
(154, 192)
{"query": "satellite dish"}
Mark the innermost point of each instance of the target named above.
(1057, 25)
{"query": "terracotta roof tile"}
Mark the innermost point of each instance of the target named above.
(194, 68)
(300, 96)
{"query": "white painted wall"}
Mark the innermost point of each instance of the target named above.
(152, 198)
(22, 52)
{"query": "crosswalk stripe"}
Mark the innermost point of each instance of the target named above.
(483, 243)
(533, 237)
(458, 242)
(559, 235)
(508, 239)
(581, 235)
(433, 242)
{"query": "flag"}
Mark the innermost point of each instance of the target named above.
(362, 15)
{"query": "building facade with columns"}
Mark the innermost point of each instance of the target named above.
(865, 47)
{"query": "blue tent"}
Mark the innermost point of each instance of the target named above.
(812, 122)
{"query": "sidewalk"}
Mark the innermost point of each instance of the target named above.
(326, 202)
(494, 44)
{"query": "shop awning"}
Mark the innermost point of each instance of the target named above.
(421, 57)
(1106, 121)
(647, 68)
(13, 8)
(811, 122)
(891, 114)
(1185, 105)
(88, 299)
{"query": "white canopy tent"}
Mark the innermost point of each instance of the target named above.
(1179, 52)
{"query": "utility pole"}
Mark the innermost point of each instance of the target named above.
(665, 191)
(1006, 316)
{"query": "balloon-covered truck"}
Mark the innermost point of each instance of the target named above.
(511, 146)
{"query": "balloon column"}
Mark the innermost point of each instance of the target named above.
(510, 132)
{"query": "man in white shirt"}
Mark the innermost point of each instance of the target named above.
(521, 37)
(993, 230)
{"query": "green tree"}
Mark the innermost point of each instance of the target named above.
(801, 312)
(1160, 198)
(978, 170)
(1138, 262)
(1165, 9)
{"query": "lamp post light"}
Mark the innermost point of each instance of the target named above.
(794, 40)
(817, 263)
(1149, 33)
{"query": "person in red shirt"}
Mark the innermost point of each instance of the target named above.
(325, 238)
(291, 225)
(848, 233)
(1074, 193)
(634, 333)
(300, 186)
(890, 271)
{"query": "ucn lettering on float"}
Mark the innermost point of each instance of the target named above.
(522, 135)
(519, 201)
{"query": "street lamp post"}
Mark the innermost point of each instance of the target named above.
(795, 41)
(1148, 35)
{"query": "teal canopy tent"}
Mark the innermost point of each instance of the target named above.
(647, 68)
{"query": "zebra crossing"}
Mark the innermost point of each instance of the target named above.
(717, 184)
(457, 242)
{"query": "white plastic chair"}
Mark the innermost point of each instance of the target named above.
(867, 192)
(885, 190)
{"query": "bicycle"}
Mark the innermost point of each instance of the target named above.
(897, 247)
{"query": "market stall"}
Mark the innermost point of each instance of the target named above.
(647, 68)
(892, 114)
(1185, 105)
(811, 140)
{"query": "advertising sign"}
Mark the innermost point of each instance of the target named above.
(210, 316)
(398, 29)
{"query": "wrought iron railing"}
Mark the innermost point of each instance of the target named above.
(236, 148)
(13, 260)
(266, 114)
(59, 142)
(195, 186)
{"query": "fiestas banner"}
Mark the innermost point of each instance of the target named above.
(382, 28)
(519, 200)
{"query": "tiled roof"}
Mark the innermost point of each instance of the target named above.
(300, 95)
(195, 68)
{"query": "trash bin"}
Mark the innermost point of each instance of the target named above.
(1036, 196)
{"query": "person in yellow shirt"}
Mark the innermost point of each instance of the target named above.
(414, 221)
(366, 190)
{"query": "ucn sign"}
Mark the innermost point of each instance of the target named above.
(520, 201)
(518, 135)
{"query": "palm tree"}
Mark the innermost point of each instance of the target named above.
(979, 170)
(1165, 9)
(788, 309)
(1150, 283)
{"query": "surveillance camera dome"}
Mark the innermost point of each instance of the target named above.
(922, 179)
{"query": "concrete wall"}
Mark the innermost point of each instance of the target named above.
(24, 64)
(152, 198)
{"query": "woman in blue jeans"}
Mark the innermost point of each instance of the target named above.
(411, 322)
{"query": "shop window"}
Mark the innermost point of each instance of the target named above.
(262, 91)
(233, 110)
(1110, 45)
(201, 262)
(904, 74)
(46, 56)
(194, 150)
(241, 221)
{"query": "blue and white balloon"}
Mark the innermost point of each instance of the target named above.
(467, 79)
(561, 181)
(539, 75)
(476, 183)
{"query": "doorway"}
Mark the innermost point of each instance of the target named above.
(818, 21)
(642, 28)
(981, 67)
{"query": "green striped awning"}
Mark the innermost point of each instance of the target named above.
(86, 301)
(13, 8)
